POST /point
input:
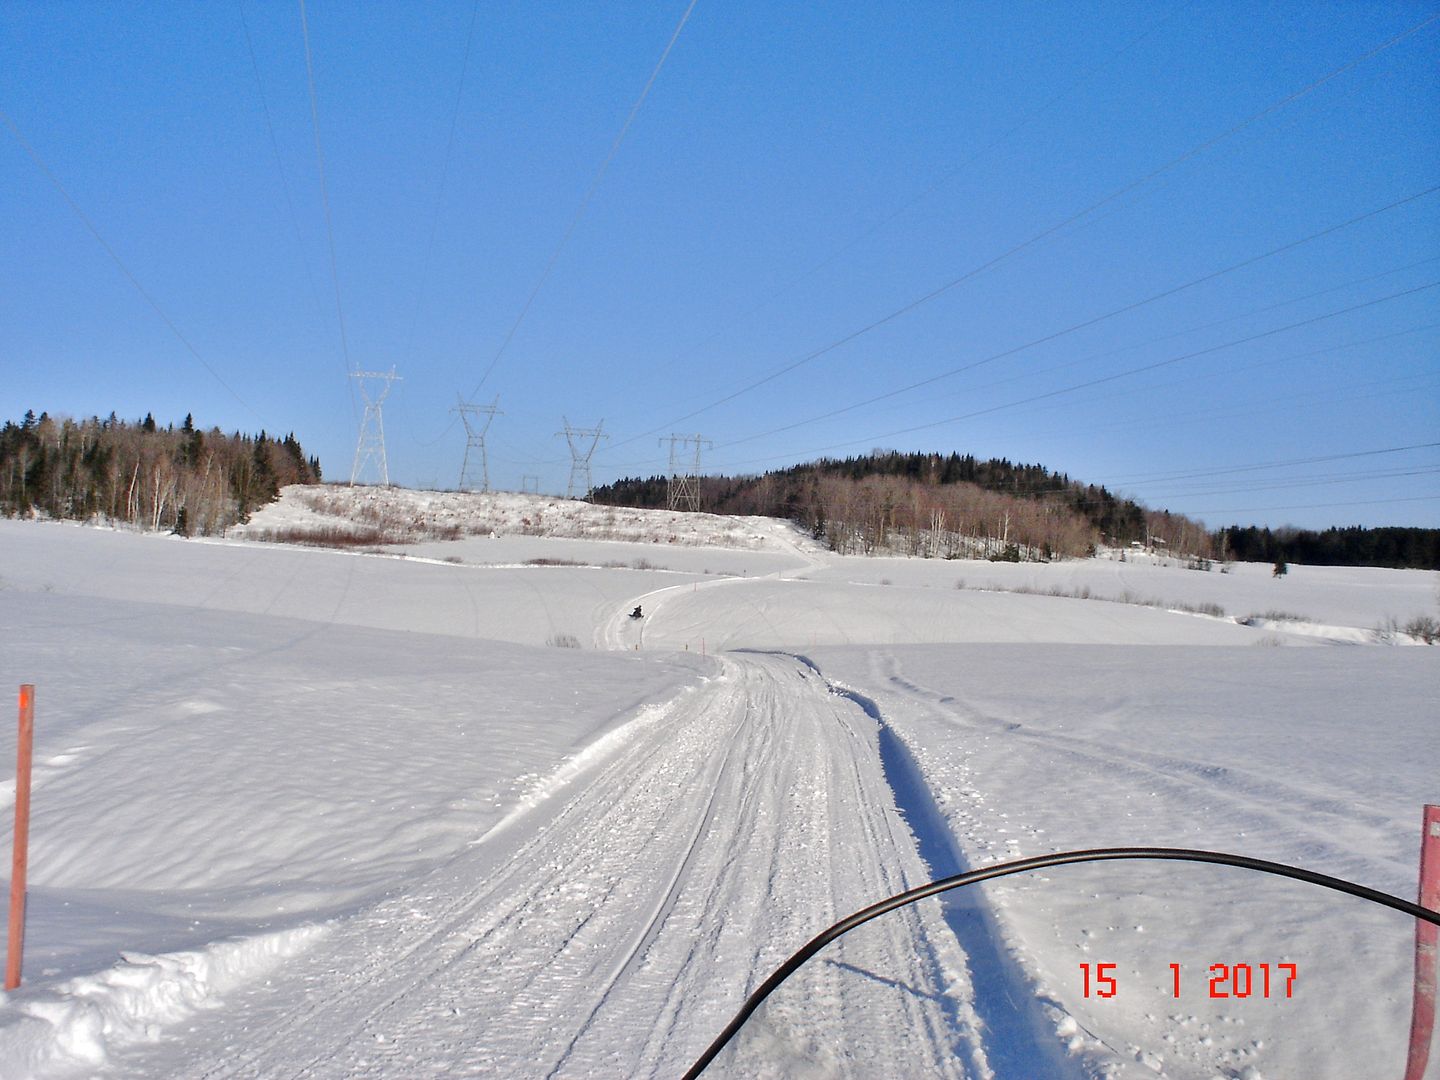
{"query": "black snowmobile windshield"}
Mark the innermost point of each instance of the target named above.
(1117, 969)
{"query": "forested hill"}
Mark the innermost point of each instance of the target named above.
(184, 479)
(958, 505)
(886, 498)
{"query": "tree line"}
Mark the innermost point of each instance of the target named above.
(1402, 548)
(947, 506)
(956, 505)
(181, 479)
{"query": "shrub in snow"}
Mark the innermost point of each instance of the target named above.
(1257, 617)
(1424, 628)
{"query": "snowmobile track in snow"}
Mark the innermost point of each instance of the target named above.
(614, 927)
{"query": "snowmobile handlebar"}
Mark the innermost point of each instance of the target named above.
(1020, 866)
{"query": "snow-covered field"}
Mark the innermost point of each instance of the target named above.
(332, 813)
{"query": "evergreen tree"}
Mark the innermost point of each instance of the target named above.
(179, 479)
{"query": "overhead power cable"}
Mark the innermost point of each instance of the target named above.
(1289, 358)
(1071, 495)
(1087, 323)
(325, 200)
(1200, 377)
(1231, 469)
(275, 151)
(585, 201)
(424, 274)
(1067, 494)
(1269, 406)
(120, 263)
(1065, 93)
(1325, 481)
(1256, 365)
(872, 439)
(1044, 234)
(1313, 506)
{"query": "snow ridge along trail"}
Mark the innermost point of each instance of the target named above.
(614, 929)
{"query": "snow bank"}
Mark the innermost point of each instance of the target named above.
(402, 516)
(72, 1028)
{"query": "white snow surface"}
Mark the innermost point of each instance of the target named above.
(304, 812)
(420, 515)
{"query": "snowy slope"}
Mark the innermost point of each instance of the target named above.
(207, 774)
(349, 815)
(1333, 601)
(1314, 758)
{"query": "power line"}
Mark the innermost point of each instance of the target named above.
(325, 199)
(585, 202)
(944, 179)
(1350, 478)
(1272, 404)
(1087, 323)
(1253, 366)
(1131, 480)
(1074, 493)
(871, 439)
(1348, 392)
(279, 163)
(120, 263)
(1044, 234)
(1277, 464)
(1074, 498)
(444, 180)
(1204, 376)
(1314, 506)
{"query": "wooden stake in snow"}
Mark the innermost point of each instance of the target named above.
(22, 838)
(1422, 1018)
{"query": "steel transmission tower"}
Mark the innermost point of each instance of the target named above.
(475, 428)
(580, 455)
(371, 445)
(683, 490)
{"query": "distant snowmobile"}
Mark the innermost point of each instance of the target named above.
(636, 613)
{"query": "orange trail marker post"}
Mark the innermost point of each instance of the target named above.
(22, 837)
(1422, 1019)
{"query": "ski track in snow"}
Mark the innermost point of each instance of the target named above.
(716, 822)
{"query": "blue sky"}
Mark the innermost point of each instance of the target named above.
(1180, 241)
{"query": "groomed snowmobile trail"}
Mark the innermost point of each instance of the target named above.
(601, 932)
